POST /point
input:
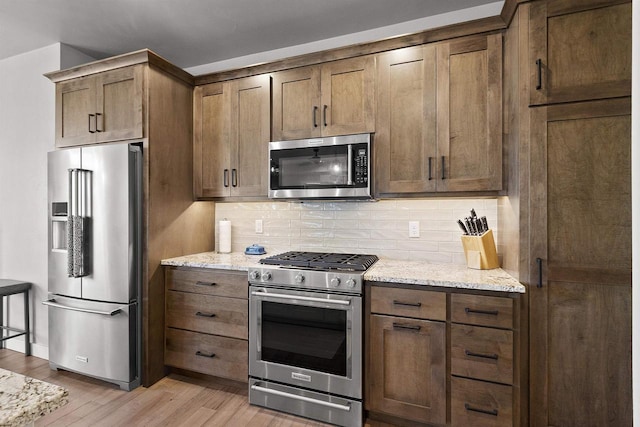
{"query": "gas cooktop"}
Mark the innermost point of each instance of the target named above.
(322, 260)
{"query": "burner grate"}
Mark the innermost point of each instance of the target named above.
(321, 260)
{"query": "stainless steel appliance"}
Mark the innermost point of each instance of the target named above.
(94, 257)
(305, 335)
(336, 167)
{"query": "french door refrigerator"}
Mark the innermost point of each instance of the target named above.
(95, 261)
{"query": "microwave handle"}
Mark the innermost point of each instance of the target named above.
(349, 165)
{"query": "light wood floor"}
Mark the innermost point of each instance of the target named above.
(175, 400)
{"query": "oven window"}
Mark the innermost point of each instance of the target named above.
(305, 337)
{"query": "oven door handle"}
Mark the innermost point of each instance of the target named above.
(302, 398)
(303, 298)
(349, 165)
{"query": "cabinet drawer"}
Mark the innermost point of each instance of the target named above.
(480, 404)
(209, 314)
(482, 310)
(210, 282)
(482, 353)
(207, 354)
(409, 303)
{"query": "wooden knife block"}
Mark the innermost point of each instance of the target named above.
(480, 251)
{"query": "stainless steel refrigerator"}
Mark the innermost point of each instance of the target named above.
(95, 261)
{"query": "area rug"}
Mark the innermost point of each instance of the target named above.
(24, 399)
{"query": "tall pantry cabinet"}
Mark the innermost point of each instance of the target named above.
(567, 217)
(154, 99)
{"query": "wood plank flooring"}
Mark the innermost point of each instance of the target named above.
(176, 400)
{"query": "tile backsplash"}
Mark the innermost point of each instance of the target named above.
(380, 228)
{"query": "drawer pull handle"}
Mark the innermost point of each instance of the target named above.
(201, 314)
(474, 311)
(410, 327)
(408, 304)
(493, 412)
(202, 354)
(199, 283)
(484, 356)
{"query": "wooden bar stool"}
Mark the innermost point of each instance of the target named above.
(12, 287)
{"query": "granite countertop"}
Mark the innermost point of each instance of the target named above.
(24, 399)
(385, 270)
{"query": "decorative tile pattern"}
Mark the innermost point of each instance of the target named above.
(380, 228)
(24, 399)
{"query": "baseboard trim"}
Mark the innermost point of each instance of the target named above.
(37, 350)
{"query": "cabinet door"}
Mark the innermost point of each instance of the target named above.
(407, 373)
(250, 135)
(296, 104)
(470, 114)
(348, 102)
(579, 50)
(405, 143)
(211, 153)
(580, 346)
(119, 104)
(75, 113)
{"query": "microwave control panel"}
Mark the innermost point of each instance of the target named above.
(361, 166)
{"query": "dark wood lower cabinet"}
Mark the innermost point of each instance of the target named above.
(480, 404)
(408, 368)
(581, 311)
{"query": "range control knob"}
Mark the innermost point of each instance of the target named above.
(254, 275)
(335, 282)
(351, 283)
(299, 278)
(266, 276)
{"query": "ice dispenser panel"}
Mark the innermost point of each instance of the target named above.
(59, 226)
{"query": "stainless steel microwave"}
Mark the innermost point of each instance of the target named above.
(336, 167)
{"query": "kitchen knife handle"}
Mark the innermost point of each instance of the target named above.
(234, 177)
(443, 174)
(539, 261)
(97, 115)
(324, 115)
(91, 131)
(201, 314)
(226, 177)
(315, 113)
(539, 65)
(430, 178)
(203, 354)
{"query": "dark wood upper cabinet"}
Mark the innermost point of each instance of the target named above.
(231, 137)
(405, 140)
(100, 108)
(439, 117)
(335, 98)
(579, 50)
(470, 114)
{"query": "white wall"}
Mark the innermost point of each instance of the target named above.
(27, 113)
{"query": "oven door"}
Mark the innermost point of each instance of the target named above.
(306, 339)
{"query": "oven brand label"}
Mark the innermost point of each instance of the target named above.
(301, 377)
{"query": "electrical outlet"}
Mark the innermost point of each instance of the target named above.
(258, 226)
(414, 228)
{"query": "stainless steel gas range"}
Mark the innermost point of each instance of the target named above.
(305, 335)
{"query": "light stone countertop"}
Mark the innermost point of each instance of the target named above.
(385, 270)
(24, 399)
(233, 261)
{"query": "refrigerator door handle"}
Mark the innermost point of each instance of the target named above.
(77, 222)
(52, 303)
